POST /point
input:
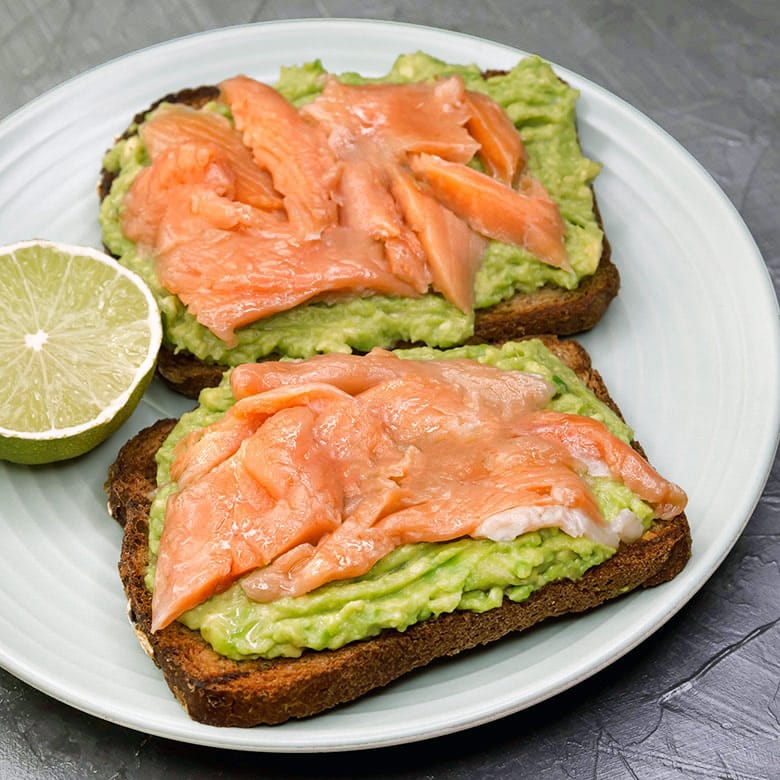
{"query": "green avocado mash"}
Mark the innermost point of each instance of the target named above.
(541, 106)
(415, 581)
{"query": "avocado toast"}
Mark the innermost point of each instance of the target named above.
(514, 293)
(301, 677)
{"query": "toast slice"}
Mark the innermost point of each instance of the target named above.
(550, 309)
(223, 692)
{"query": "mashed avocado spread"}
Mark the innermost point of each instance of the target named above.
(416, 581)
(543, 109)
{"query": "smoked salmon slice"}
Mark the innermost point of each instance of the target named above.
(501, 149)
(295, 152)
(504, 392)
(404, 118)
(527, 217)
(363, 540)
(176, 124)
(202, 450)
(231, 264)
(228, 279)
(366, 203)
(323, 466)
(212, 534)
(586, 439)
(177, 173)
(453, 249)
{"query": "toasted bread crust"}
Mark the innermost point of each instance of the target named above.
(548, 310)
(222, 692)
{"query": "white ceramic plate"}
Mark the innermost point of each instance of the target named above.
(688, 347)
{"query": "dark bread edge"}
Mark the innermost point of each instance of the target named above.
(218, 691)
(548, 310)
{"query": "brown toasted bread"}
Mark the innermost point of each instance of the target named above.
(220, 691)
(548, 310)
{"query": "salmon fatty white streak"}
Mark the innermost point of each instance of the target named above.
(324, 466)
(365, 190)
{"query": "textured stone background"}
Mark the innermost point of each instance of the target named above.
(701, 697)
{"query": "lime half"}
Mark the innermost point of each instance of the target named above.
(79, 336)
